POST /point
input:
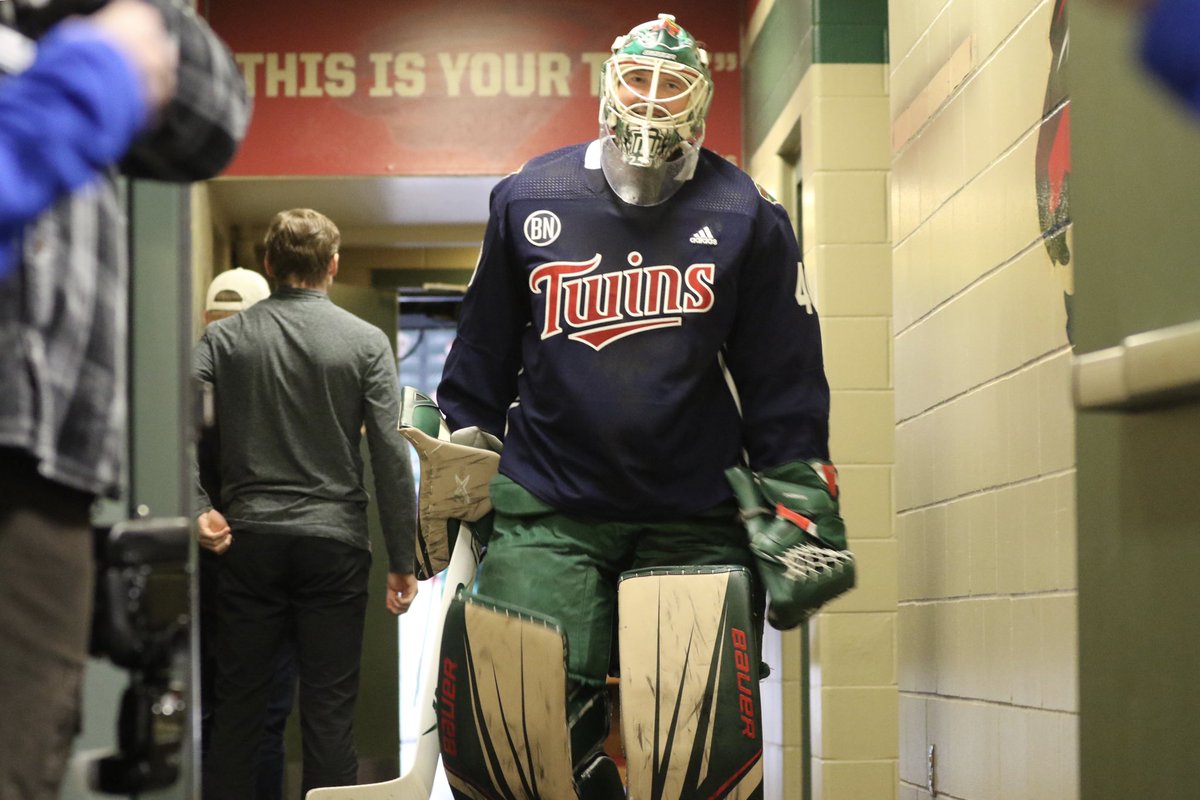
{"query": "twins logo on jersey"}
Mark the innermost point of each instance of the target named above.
(600, 309)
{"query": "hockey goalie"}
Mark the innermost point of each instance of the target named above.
(639, 336)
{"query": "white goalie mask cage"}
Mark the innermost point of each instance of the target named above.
(655, 92)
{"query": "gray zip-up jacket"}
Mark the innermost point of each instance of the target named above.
(296, 379)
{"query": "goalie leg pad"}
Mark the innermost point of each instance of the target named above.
(691, 715)
(506, 724)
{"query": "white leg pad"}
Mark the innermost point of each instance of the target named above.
(690, 707)
(502, 704)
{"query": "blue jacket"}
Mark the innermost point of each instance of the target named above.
(62, 121)
(1171, 47)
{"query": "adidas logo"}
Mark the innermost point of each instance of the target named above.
(704, 236)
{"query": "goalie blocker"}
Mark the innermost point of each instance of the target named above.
(511, 726)
(797, 536)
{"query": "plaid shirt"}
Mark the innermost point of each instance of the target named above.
(63, 311)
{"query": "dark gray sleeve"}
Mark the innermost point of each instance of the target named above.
(395, 490)
(202, 370)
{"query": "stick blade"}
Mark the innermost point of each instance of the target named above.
(407, 787)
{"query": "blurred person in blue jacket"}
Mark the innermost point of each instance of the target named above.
(1170, 45)
(137, 87)
(77, 99)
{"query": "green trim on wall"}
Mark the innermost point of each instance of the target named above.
(777, 61)
(796, 35)
(851, 12)
(849, 44)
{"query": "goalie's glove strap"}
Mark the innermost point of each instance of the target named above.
(752, 507)
(796, 518)
(800, 492)
(475, 436)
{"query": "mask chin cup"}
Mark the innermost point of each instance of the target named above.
(646, 185)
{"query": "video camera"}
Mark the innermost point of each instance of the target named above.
(141, 623)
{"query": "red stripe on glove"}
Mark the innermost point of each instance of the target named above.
(799, 520)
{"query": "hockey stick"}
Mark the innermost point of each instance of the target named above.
(417, 783)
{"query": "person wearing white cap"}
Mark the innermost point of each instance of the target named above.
(232, 291)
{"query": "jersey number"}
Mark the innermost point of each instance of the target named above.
(802, 296)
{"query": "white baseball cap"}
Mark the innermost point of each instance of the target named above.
(236, 290)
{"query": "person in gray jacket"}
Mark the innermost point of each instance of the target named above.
(296, 379)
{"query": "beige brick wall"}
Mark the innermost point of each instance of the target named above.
(841, 112)
(984, 437)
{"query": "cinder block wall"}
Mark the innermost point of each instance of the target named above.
(985, 476)
(816, 115)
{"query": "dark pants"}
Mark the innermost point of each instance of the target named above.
(46, 579)
(279, 708)
(270, 586)
(281, 696)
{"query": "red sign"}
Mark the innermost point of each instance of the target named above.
(431, 87)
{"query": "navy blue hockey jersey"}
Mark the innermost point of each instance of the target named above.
(628, 355)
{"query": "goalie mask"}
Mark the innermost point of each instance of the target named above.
(655, 91)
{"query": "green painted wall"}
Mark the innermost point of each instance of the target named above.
(160, 426)
(796, 35)
(1135, 198)
(160, 401)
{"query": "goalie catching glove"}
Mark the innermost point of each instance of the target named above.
(797, 536)
(455, 471)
